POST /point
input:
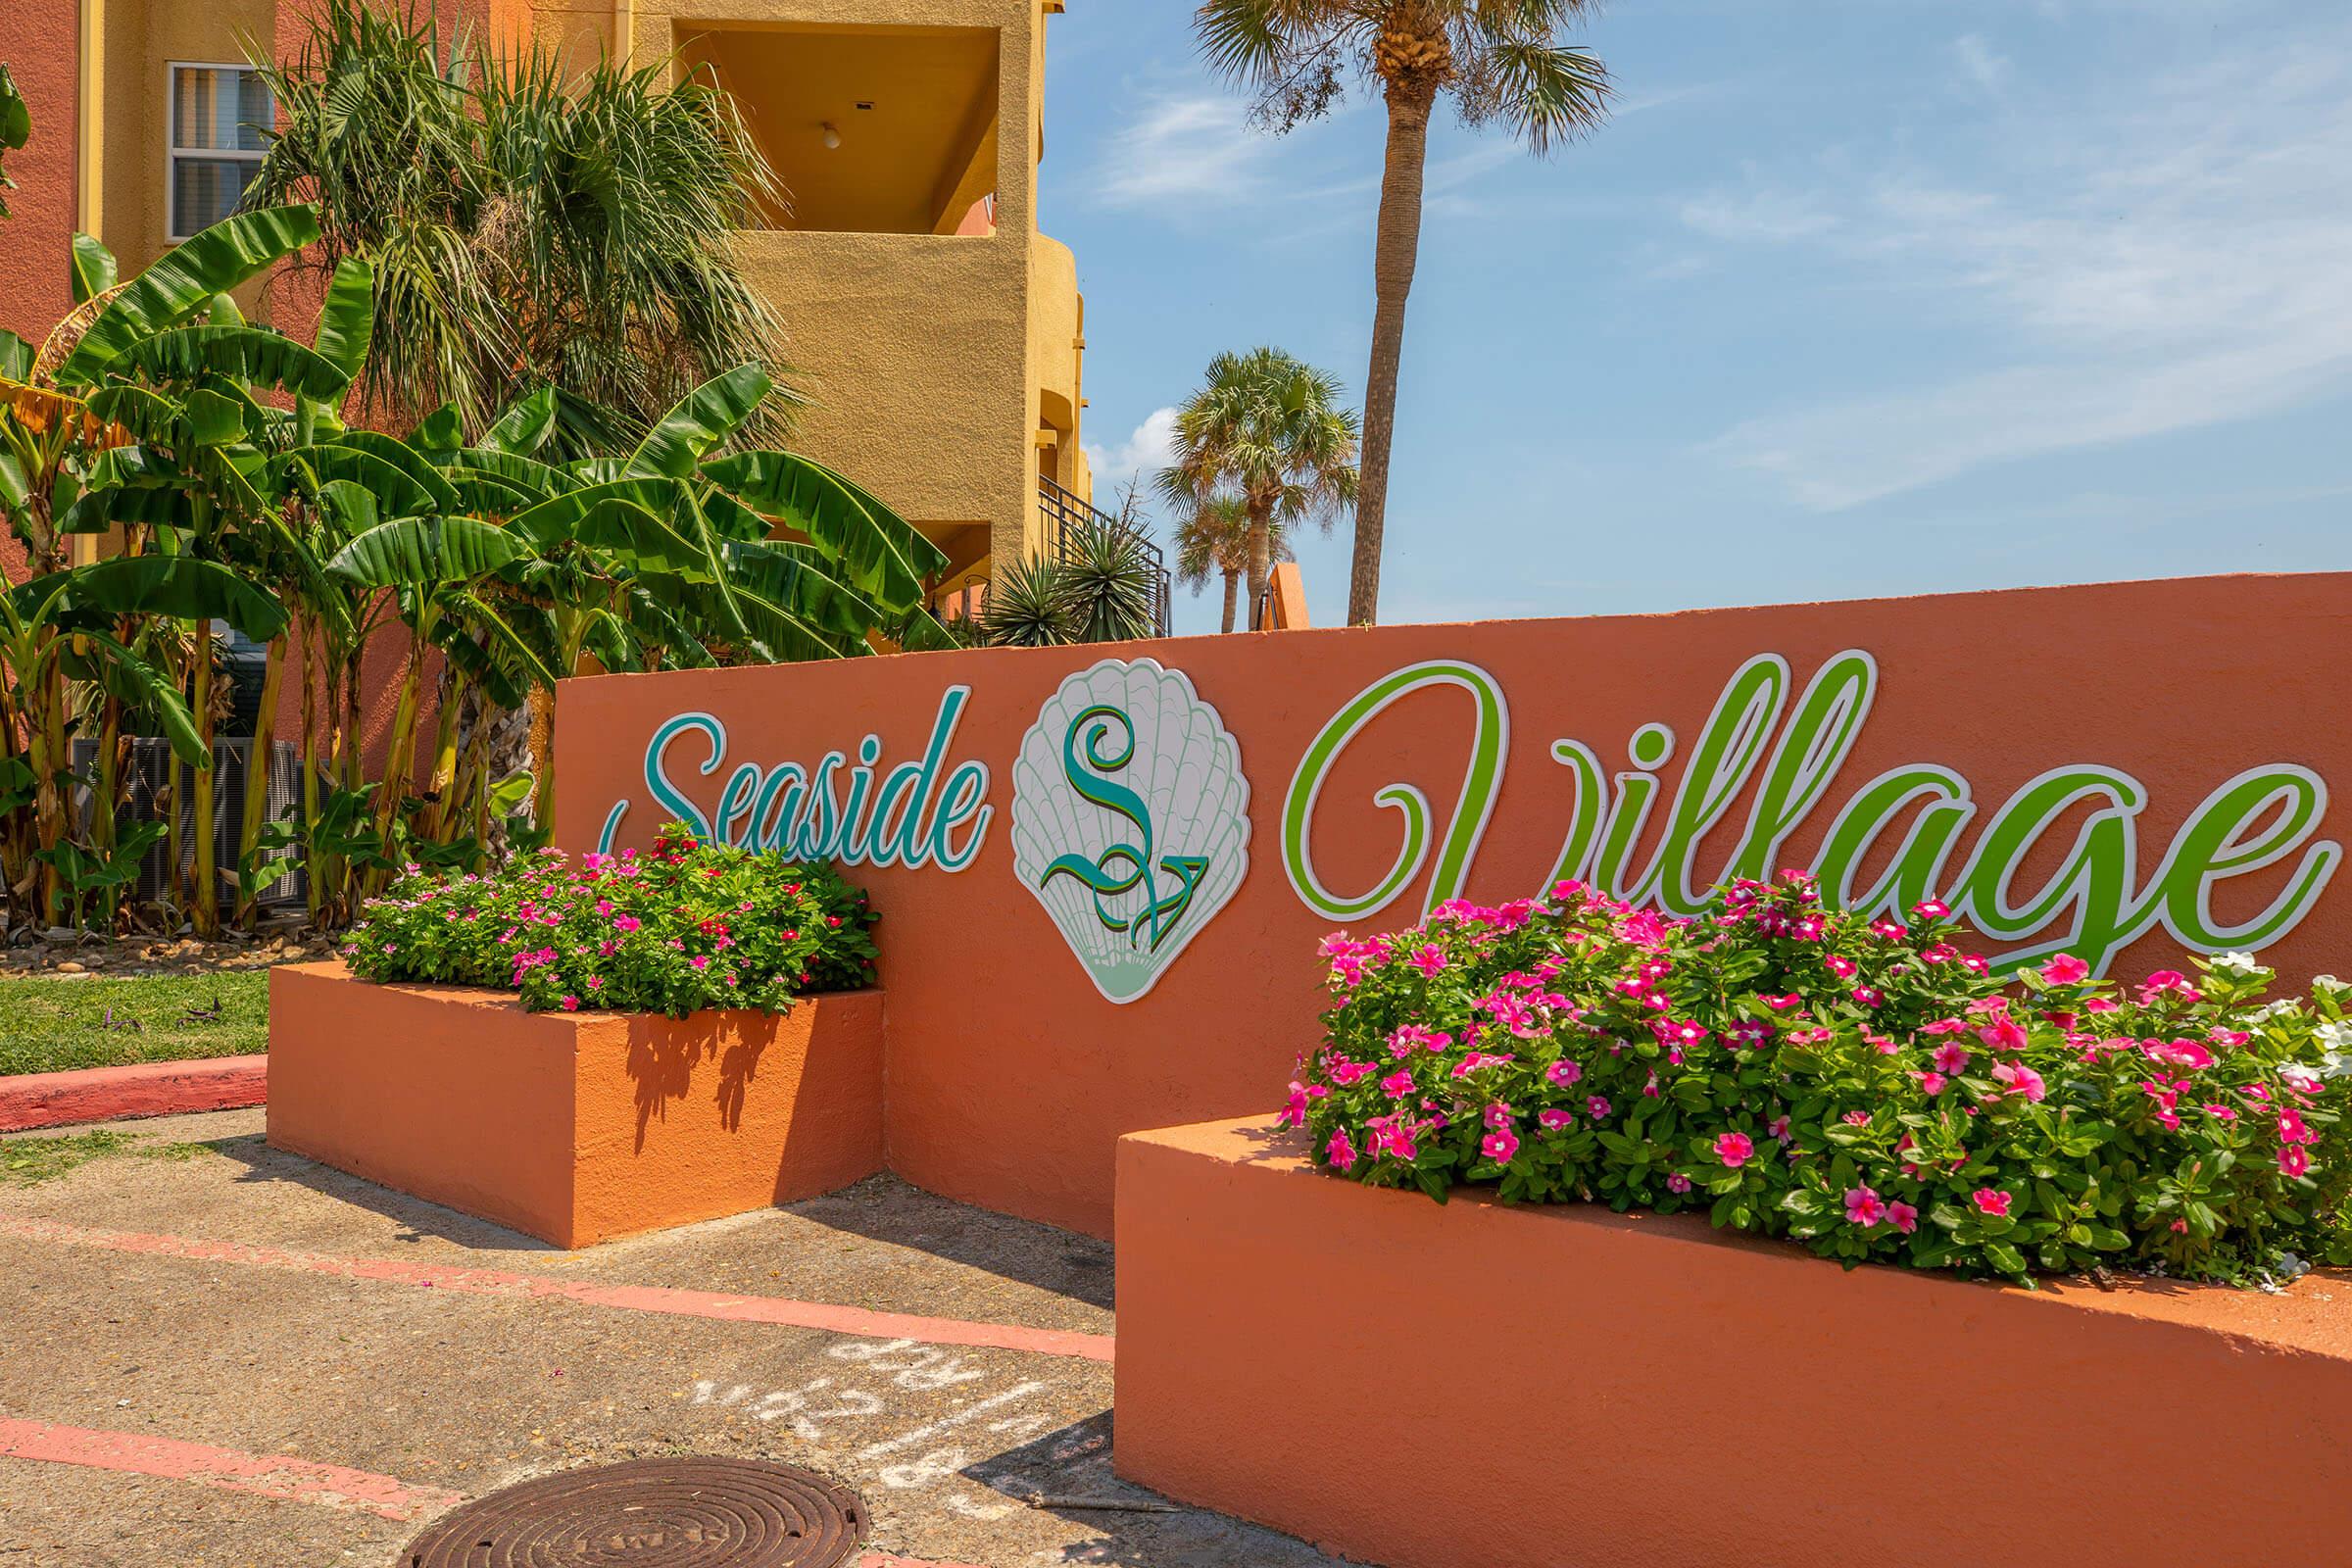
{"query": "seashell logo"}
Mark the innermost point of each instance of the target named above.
(1130, 819)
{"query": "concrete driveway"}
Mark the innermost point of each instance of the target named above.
(236, 1359)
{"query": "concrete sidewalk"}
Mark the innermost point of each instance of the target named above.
(242, 1359)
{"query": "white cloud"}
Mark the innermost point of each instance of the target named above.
(1981, 64)
(2179, 259)
(1148, 449)
(1183, 149)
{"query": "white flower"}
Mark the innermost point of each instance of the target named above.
(2299, 1078)
(2334, 1036)
(2328, 982)
(2239, 963)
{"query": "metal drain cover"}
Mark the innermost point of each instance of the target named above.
(653, 1513)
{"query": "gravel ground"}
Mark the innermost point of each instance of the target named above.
(470, 1392)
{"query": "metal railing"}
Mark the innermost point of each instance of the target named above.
(1065, 513)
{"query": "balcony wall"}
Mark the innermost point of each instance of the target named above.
(903, 344)
(1055, 323)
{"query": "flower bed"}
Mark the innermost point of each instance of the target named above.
(1579, 1387)
(573, 1127)
(689, 926)
(1867, 1089)
(643, 1077)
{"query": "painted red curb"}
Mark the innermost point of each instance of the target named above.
(270, 1475)
(143, 1089)
(664, 1299)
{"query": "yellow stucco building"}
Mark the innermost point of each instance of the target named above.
(938, 334)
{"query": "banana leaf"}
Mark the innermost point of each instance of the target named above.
(181, 586)
(525, 425)
(250, 355)
(699, 420)
(93, 268)
(408, 460)
(183, 281)
(424, 551)
(347, 318)
(880, 553)
(96, 510)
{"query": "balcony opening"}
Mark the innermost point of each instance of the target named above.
(878, 130)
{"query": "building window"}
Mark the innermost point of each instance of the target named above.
(218, 117)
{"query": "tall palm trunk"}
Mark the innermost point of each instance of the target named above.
(1261, 554)
(1395, 252)
(1232, 588)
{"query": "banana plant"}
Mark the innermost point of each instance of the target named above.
(432, 565)
(170, 360)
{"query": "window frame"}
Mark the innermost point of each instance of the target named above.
(174, 152)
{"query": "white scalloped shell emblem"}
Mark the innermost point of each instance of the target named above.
(1130, 819)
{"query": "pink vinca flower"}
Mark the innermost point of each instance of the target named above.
(1551, 1121)
(1428, 960)
(1499, 1145)
(1903, 1217)
(1339, 1150)
(1991, 1200)
(1863, 1207)
(2021, 1080)
(2065, 971)
(1735, 1149)
(1949, 1058)
(1563, 1072)
(1398, 1084)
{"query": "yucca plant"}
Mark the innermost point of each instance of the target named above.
(1029, 606)
(1107, 579)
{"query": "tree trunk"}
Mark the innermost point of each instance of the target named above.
(1232, 588)
(256, 785)
(314, 870)
(207, 882)
(1395, 254)
(1261, 556)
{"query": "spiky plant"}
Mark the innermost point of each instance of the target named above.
(1029, 606)
(1107, 573)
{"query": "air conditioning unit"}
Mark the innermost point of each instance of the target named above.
(147, 767)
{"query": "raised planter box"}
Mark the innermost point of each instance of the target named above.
(573, 1127)
(1465, 1386)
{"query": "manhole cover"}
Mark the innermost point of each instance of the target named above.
(653, 1513)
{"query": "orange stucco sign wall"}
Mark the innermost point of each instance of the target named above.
(1103, 870)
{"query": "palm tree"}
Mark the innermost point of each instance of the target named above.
(1498, 60)
(1215, 541)
(529, 225)
(1272, 433)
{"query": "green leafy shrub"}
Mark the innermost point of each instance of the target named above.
(1865, 1088)
(688, 926)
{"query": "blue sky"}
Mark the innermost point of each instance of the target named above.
(1851, 297)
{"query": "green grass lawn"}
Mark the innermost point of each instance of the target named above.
(54, 1025)
(33, 1158)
